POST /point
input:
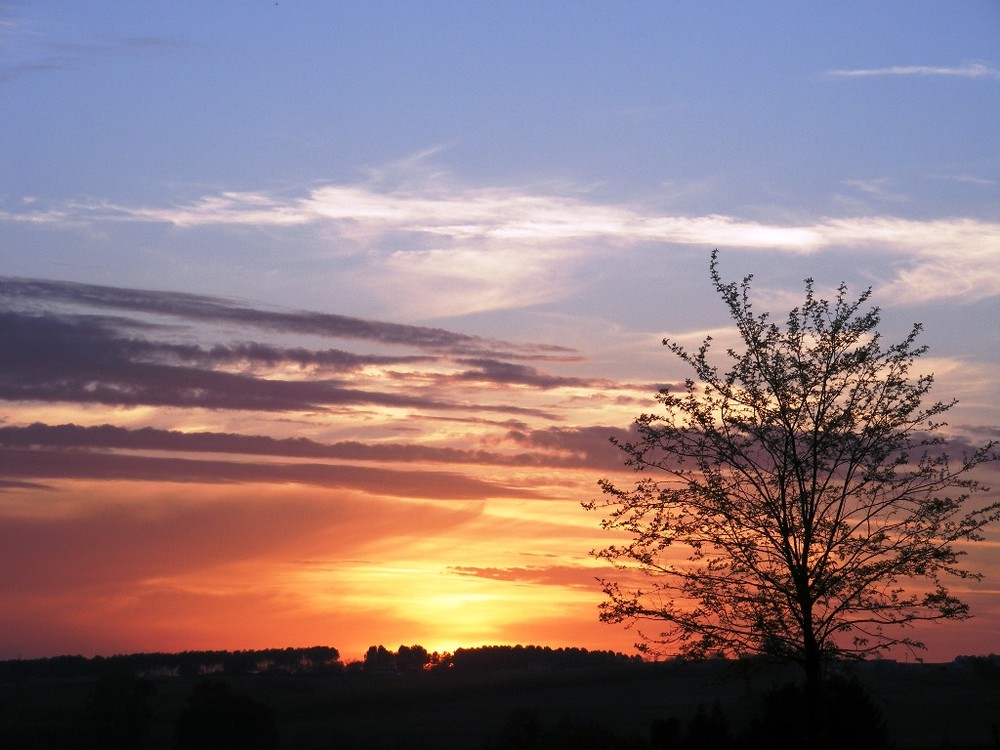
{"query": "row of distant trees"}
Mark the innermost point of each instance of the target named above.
(377, 661)
(409, 659)
(311, 660)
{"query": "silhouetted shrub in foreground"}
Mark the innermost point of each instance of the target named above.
(219, 719)
(522, 730)
(665, 734)
(706, 730)
(848, 720)
(120, 715)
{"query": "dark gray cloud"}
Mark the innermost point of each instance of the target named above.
(589, 446)
(54, 359)
(26, 465)
(511, 373)
(585, 448)
(7, 484)
(83, 360)
(197, 308)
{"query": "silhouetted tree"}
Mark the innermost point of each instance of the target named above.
(320, 659)
(411, 659)
(801, 502)
(380, 661)
(219, 719)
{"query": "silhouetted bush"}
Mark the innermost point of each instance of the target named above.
(572, 735)
(523, 730)
(709, 730)
(219, 719)
(848, 719)
(665, 734)
(120, 714)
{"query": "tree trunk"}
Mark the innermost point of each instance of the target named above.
(813, 664)
(815, 710)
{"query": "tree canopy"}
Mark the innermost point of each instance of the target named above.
(797, 500)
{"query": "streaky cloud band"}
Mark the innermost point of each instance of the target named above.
(969, 70)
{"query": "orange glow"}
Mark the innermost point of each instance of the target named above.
(269, 496)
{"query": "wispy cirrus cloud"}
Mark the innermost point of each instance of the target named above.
(967, 70)
(55, 57)
(460, 219)
(573, 576)
(465, 219)
(476, 249)
(969, 179)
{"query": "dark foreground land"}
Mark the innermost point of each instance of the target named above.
(514, 699)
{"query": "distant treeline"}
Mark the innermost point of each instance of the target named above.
(488, 659)
(378, 661)
(314, 660)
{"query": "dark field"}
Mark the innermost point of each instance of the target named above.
(925, 706)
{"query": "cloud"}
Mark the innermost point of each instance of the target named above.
(84, 360)
(510, 373)
(573, 576)
(968, 70)
(968, 179)
(439, 249)
(6, 484)
(440, 485)
(876, 188)
(592, 445)
(33, 293)
(55, 57)
(463, 216)
(565, 447)
(52, 359)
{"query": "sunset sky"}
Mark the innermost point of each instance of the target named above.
(316, 318)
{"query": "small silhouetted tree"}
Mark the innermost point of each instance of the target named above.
(797, 501)
(380, 661)
(412, 659)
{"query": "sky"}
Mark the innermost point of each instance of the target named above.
(317, 317)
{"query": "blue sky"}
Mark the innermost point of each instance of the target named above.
(529, 174)
(754, 112)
